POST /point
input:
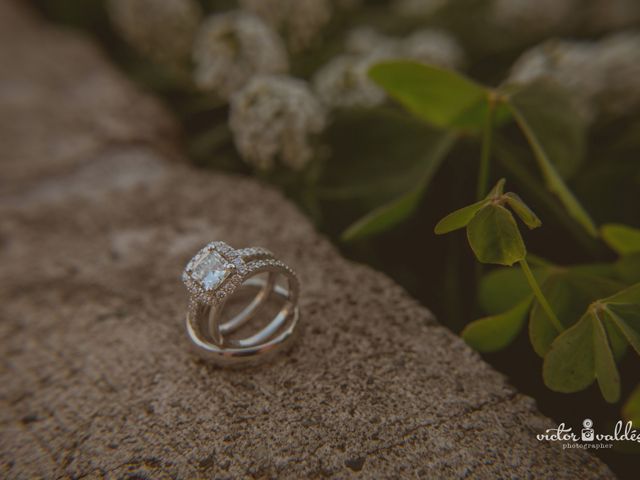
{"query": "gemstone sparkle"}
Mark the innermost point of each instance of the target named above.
(211, 271)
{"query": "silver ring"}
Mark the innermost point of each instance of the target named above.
(218, 274)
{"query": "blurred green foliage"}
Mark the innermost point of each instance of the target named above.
(581, 319)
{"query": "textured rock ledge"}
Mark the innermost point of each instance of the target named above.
(95, 226)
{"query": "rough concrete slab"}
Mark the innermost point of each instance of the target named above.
(97, 380)
(52, 85)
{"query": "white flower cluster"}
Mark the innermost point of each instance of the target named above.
(344, 82)
(619, 58)
(273, 118)
(299, 21)
(602, 76)
(432, 46)
(162, 30)
(231, 48)
(427, 45)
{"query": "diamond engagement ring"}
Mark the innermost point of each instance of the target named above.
(218, 276)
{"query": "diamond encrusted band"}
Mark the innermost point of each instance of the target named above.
(218, 272)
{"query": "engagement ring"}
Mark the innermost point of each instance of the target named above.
(218, 277)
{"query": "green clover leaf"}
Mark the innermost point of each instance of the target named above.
(587, 351)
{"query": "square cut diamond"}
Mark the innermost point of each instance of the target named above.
(211, 271)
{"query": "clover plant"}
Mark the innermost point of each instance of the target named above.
(582, 318)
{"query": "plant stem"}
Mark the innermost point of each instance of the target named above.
(533, 283)
(552, 178)
(483, 172)
(485, 155)
(509, 156)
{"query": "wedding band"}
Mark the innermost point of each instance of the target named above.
(217, 274)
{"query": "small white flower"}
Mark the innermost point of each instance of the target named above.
(344, 81)
(162, 30)
(272, 118)
(230, 48)
(566, 63)
(618, 58)
(299, 21)
(432, 46)
(601, 76)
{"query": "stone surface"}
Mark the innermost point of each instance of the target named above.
(97, 380)
(69, 88)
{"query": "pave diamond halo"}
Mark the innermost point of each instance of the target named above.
(209, 271)
(218, 272)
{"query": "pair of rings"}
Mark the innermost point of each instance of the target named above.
(219, 274)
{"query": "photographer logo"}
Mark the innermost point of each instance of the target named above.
(588, 433)
(589, 438)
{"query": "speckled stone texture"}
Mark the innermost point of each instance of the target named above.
(96, 223)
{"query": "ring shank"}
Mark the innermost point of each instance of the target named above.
(248, 312)
(209, 335)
